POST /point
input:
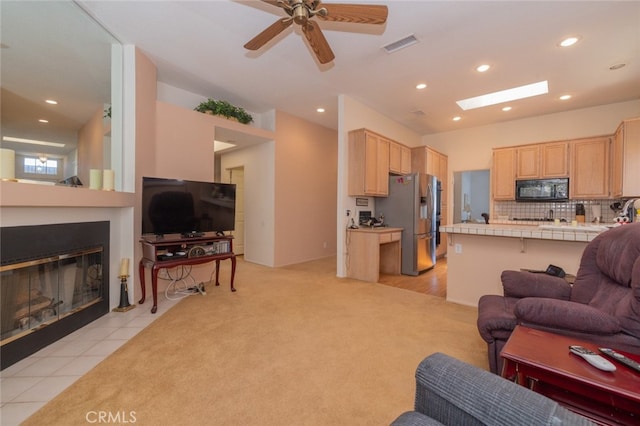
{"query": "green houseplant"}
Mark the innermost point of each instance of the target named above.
(225, 109)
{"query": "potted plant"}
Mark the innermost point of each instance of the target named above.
(224, 109)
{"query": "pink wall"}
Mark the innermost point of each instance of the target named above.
(306, 179)
(184, 143)
(145, 149)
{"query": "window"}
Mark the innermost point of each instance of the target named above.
(37, 166)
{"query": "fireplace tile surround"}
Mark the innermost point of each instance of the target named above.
(53, 282)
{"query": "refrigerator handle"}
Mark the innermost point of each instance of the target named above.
(429, 204)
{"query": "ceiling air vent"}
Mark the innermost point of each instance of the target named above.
(400, 44)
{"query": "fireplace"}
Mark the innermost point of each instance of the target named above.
(54, 279)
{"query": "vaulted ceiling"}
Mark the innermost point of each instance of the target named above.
(198, 46)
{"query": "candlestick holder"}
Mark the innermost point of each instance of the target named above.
(124, 296)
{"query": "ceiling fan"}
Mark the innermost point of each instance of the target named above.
(302, 11)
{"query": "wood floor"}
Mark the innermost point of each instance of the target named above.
(433, 282)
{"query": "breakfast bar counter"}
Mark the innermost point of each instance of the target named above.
(478, 253)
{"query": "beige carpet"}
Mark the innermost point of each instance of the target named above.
(293, 346)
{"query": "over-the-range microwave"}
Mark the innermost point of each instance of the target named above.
(542, 190)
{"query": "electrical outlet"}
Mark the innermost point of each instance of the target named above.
(458, 248)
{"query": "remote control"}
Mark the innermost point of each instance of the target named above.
(621, 358)
(592, 358)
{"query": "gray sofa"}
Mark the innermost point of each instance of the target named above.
(451, 392)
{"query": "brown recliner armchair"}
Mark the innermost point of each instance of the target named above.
(602, 306)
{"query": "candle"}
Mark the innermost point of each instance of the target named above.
(108, 180)
(124, 267)
(95, 179)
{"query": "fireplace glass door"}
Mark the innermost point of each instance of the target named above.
(39, 292)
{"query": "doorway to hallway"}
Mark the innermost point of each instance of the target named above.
(236, 176)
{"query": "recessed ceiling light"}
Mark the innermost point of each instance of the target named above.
(421, 86)
(506, 109)
(42, 120)
(569, 41)
(526, 91)
(457, 118)
(483, 68)
(565, 97)
(320, 109)
(51, 101)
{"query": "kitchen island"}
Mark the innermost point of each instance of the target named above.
(478, 253)
(373, 250)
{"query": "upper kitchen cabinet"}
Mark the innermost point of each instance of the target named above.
(428, 160)
(554, 160)
(399, 158)
(590, 168)
(368, 164)
(625, 160)
(528, 162)
(503, 174)
(542, 161)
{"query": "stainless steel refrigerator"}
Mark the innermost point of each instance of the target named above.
(412, 205)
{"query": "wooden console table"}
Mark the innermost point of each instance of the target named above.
(173, 250)
(542, 362)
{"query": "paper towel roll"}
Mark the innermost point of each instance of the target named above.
(7, 163)
(95, 179)
(108, 180)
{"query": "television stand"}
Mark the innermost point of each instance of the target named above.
(193, 234)
(176, 250)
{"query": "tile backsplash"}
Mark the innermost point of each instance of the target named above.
(508, 210)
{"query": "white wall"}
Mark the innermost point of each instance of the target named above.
(259, 177)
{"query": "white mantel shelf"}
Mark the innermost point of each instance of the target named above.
(545, 232)
(18, 194)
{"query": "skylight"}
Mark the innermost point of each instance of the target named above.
(507, 95)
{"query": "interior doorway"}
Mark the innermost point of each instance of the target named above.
(471, 196)
(236, 176)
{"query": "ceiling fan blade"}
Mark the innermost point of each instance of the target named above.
(317, 42)
(270, 32)
(354, 13)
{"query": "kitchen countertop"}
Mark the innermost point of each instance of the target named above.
(586, 232)
(378, 229)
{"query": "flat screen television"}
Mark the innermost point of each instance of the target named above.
(190, 208)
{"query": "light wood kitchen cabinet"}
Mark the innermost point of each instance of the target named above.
(441, 249)
(368, 164)
(528, 162)
(373, 251)
(590, 168)
(625, 160)
(503, 174)
(399, 158)
(554, 160)
(542, 161)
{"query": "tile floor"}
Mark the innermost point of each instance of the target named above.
(31, 383)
